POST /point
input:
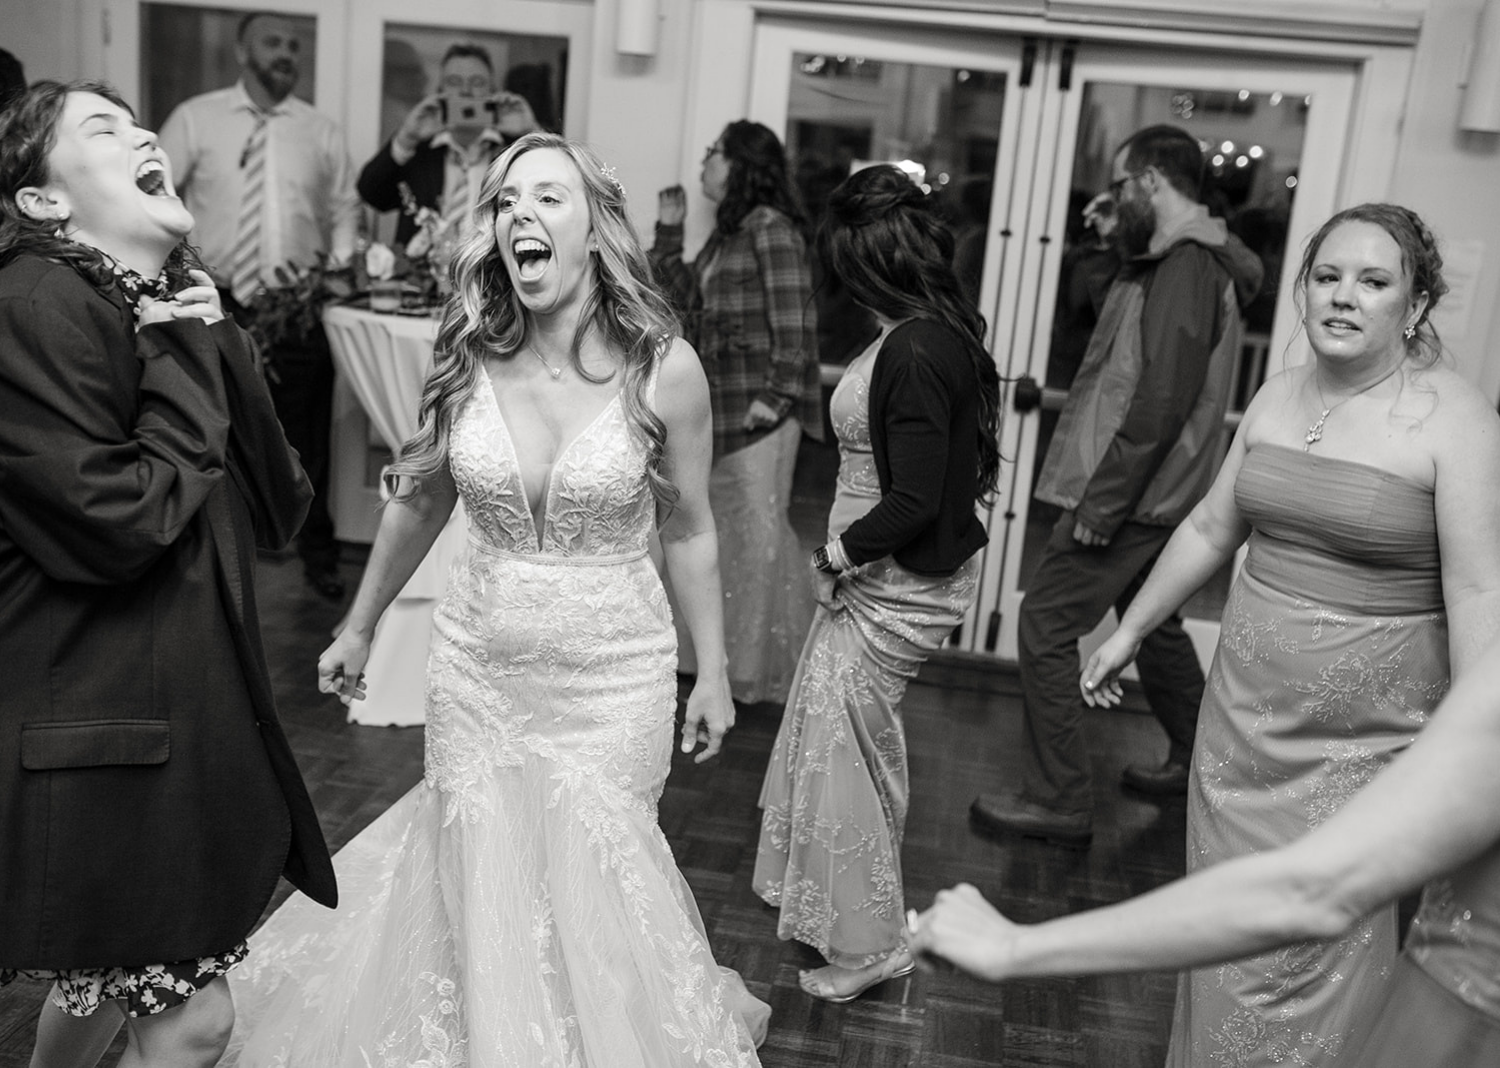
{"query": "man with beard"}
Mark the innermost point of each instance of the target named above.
(1138, 443)
(269, 181)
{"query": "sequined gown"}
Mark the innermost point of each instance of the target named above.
(1333, 651)
(1443, 1009)
(836, 790)
(520, 906)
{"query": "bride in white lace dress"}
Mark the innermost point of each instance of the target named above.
(520, 906)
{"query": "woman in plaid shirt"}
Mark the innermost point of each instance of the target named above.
(746, 304)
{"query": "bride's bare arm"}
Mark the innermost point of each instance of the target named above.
(691, 544)
(408, 528)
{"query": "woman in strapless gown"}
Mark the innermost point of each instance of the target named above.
(1365, 482)
(520, 906)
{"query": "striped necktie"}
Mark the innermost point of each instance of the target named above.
(244, 263)
(457, 203)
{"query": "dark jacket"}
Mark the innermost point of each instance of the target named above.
(1141, 435)
(380, 181)
(148, 797)
(924, 432)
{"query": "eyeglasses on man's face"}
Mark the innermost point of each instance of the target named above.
(1118, 185)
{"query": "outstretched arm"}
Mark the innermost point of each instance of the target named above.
(1436, 807)
(690, 543)
(407, 530)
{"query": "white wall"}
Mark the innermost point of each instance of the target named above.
(1452, 178)
(43, 35)
(637, 107)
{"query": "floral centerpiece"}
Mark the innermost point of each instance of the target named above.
(289, 314)
(430, 250)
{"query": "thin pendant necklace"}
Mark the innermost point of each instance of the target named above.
(1315, 432)
(555, 372)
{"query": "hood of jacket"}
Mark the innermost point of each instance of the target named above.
(1243, 266)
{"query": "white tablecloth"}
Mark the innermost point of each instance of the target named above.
(385, 360)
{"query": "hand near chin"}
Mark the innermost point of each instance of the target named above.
(197, 301)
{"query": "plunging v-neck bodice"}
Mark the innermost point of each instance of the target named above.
(595, 502)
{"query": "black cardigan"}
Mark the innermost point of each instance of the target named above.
(924, 430)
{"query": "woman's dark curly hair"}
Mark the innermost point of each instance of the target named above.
(28, 133)
(884, 239)
(757, 175)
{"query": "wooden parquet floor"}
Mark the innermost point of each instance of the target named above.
(963, 729)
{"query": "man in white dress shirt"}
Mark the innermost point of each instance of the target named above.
(269, 183)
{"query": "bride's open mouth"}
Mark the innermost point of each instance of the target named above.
(532, 257)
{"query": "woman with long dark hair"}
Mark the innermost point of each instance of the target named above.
(148, 798)
(916, 417)
(747, 306)
(520, 905)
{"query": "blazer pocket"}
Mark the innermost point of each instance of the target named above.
(94, 743)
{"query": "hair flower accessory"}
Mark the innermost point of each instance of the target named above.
(609, 176)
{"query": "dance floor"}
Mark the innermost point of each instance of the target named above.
(963, 724)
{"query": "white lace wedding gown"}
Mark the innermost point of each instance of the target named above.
(520, 906)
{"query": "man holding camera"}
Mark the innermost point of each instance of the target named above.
(444, 146)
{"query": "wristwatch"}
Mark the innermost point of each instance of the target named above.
(821, 561)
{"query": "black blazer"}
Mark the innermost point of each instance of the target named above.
(148, 797)
(924, 431)
(380, 181)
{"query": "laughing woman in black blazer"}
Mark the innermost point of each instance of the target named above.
(148, 798)
(915, 416)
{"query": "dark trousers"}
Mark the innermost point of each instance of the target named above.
(300, 377)
(1074, 586)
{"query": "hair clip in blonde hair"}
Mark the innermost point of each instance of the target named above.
(609, 175)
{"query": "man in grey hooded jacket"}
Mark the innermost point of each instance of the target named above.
(1138, 443)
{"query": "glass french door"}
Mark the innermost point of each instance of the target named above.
(1014, 135)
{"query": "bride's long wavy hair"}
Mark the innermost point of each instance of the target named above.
(485, 317)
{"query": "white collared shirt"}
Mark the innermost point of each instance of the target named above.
(310, 202)
(464, 169)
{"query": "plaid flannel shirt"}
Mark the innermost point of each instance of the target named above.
(746, 306)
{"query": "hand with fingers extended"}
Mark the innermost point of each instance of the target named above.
(197, 301)
(341, 668)
(961, 927)
(710, 714)
(1100, 682)
(671, 206)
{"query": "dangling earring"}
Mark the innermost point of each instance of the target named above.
(1410, 332)
(61, 232)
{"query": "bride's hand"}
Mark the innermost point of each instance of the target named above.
(341, 668)
(710, 714)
